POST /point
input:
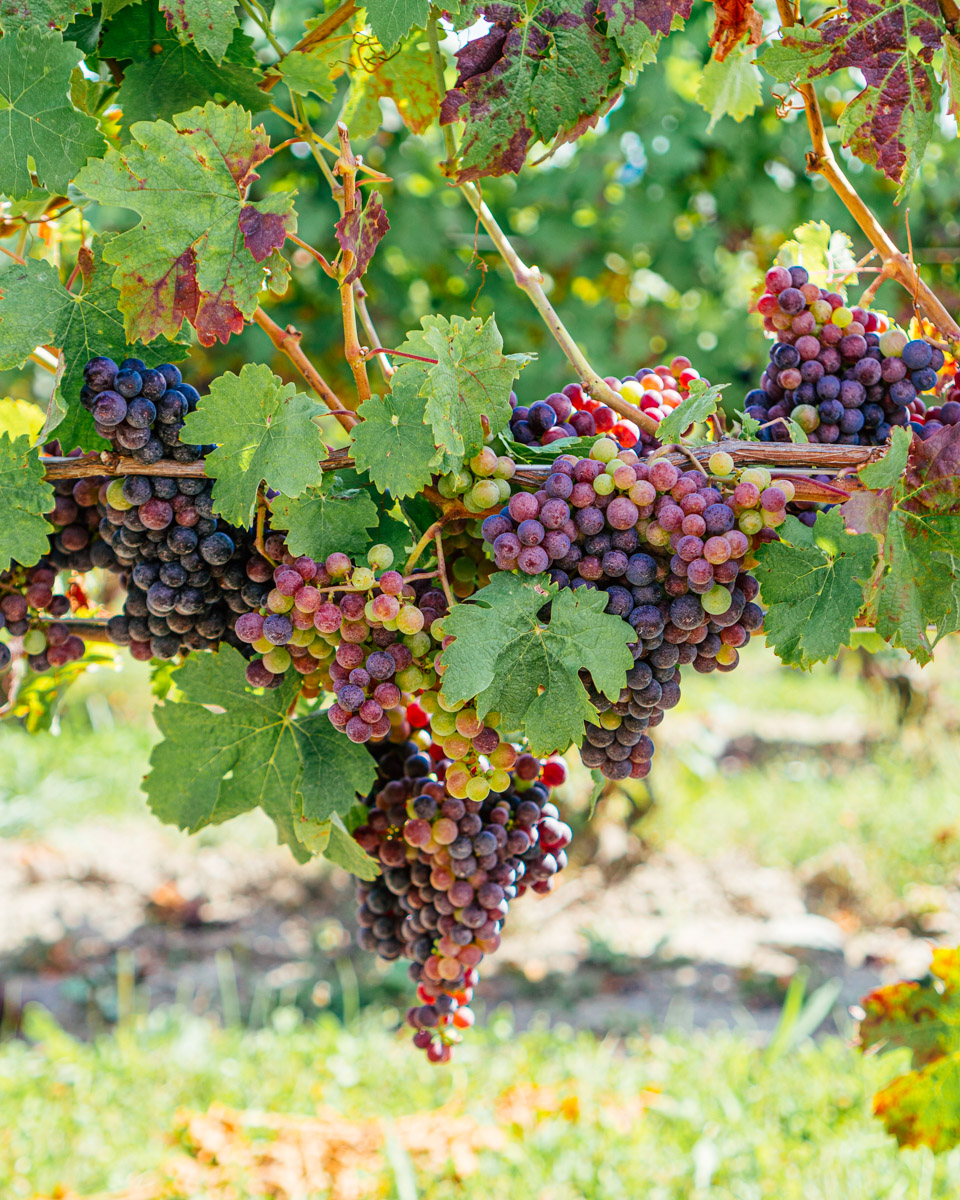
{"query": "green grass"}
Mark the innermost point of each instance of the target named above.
(668, 1117)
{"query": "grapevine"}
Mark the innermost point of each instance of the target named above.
(385, 609)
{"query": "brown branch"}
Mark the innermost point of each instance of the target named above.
(951, 15)
(387, 369)
(346, 167)
(821, 161)
(288, 342)
(109, 463)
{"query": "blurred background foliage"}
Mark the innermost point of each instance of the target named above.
(652, 231)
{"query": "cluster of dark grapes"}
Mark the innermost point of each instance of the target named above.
(668, 548)
(843, 375)
(450, 868)
(938, 416)
(344, 630)
(573, 413)
(188, 574)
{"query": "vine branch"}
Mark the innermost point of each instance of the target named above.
(288, 342)
(346, 166)
(821, 161)
(529, 279)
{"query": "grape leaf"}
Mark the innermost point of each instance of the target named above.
(734, 20)
(36, 308)
(472, 378)
(700, 404)
(920, 1107)
(166, 76)
(47, 14)
(824, 252)
(951, 72)
(637, 26)
(361, 231)
(394, 442)
(37, 119)
(933, 473)
(406, 77)
(731, 87)
(886, 472)
(199, 260)
(317, 69)
(525, 666)
(249, 752)
(892, 42)
(392, 20)
(24, 498)
(325, 519)
(343, 850)
(812, 582)
(208, 24)
(542, 71)
(266, 433)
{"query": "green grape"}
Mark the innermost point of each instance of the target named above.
(757, 475)
(485, 494)
(301, 637)
(716, 601)
(892, 343)
(603, 485)
(277, 660)
(409, 619)
(720, 463)
(484, 463)
(505, 489)
(380, 557)
(499, 781)
(506, 468)
(34, 641)
(362, 578)
(443, 724)
(115, 497)
(604, 449)
(451, 706)
(436, 629)
(418, 643)
(464, 569)
(410, 679)
(478, 789)
(750, 522)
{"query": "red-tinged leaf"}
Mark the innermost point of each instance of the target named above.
(199, 260)
(541, 72)
(638, 25)
(734, 20)
(893, 43)
(360, 233)
(933, 472)
(922, 1106)
(868, 512)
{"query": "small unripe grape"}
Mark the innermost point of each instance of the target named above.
(499, 781)
(410, 619)
(631, 390)
(759, 476)
(362, 578)
(478, 789)
(484, 494)
(603, 485)
(380, 557)
(842, 317)
(115, 497)
(277, 660)
(484, 463)
(716, 601)
(720, 463)
(506, 468)
(34, 641)
(604, 449)
(750, 522)
(892, 343)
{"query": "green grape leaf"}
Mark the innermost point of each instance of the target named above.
(343, 850)
(315, 70)
(406, 77)
(825, 253)
(951, 72)
(44, 14)
(40, 696)
(472, 378)
(228, 749)
(36, 307)
(360, 232)
(812, 582)
(20, 418)
(325, 519)
(733, 87)
(749, 426)
(700, 404)
(638, 26)
(579, 447)
(886, 472)
(543, 70)
(920, 585)
(392, 20)
(207, 24)
(922, 1106)
(266, 434)
(37, 119)
(515, 660)
(166, 76)
(24, 498)
(394, 442)
(892, 43)
(201, 259)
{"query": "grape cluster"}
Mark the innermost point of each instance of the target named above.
(30, 611)
(935, 418)
(365, 639)
(573, 413)
(483, 482)
(188, 573)
(668, 548)
(842, 374)
(450, 868)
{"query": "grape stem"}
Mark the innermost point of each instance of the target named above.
(287, 341)
(345, 587)
(346, 166)
(423, 543)
(387, 369)
(821, 161)
(109, 463)
(528, 279)
(442, 569)
(679, 448)
(331, 271)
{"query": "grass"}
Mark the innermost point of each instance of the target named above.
(664, 1117)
